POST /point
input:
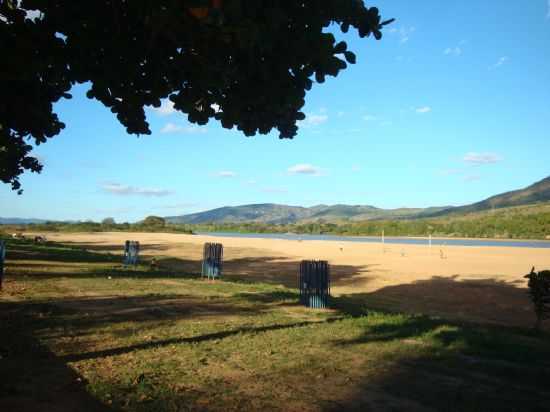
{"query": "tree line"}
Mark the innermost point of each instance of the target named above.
(504, 225)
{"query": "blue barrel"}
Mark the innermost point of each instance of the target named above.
(314, 283)
(212, 260)
(131, 252)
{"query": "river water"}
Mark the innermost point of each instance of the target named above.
(390, 240)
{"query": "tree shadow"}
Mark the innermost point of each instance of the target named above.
(452, 367)
(471, 363)
(275, 270)
(44, 252)
(32, 378)
(474, 300)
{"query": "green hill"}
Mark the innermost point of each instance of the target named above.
(282, 214)
(270, 213)
(536, 193)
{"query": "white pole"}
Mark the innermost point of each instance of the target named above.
(383, 241)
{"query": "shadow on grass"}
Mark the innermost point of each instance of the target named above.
(32, 378)
(275, 270)
(453, 367)
(475, 300)
(186, 340)
(460, 365)
(434, 364)
(29, 251)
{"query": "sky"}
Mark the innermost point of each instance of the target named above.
(450, 107)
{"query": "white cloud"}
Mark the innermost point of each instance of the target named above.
(226, 174)
(122, 190)
(499, 63)
(191, 129)
(356, 168)
(341, 114)
(481, 158)
(274, 190)
(369, 118)
(472, 178)
(313, 120)
(171, 128)
(423, 110)
(305, 169)
(166, 108)
(177, 206)
(323, 110)
(449, 172)
(114, 211)
(454, 51)
(404, 33)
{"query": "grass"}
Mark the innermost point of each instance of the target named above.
(81, 332)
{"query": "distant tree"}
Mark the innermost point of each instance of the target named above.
(154, 221)
(108, 221)
(245, 63)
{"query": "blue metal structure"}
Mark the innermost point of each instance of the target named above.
(314, 283)
(2, 259)
(131, 252)
(212, 260)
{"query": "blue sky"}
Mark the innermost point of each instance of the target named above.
(452, 106)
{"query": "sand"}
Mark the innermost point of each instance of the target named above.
(480, 284)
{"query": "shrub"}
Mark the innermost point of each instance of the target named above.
(539, 290)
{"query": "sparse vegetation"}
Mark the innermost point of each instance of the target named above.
(526, 222)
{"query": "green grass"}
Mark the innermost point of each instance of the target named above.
(81, 332)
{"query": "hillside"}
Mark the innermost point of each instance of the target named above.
(261, 213)
(536, 193)
(270, 213)
(281, 214)
(18, 221)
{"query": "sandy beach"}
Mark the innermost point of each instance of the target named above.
(480, 284)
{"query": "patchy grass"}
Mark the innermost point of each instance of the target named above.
(81, 332)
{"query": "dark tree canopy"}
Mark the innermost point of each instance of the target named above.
(246, 63)
(108, 221)
(154, 221)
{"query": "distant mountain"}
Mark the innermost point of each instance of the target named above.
(262, 213)
(19, 221)
(282, 214)
(536, 193)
